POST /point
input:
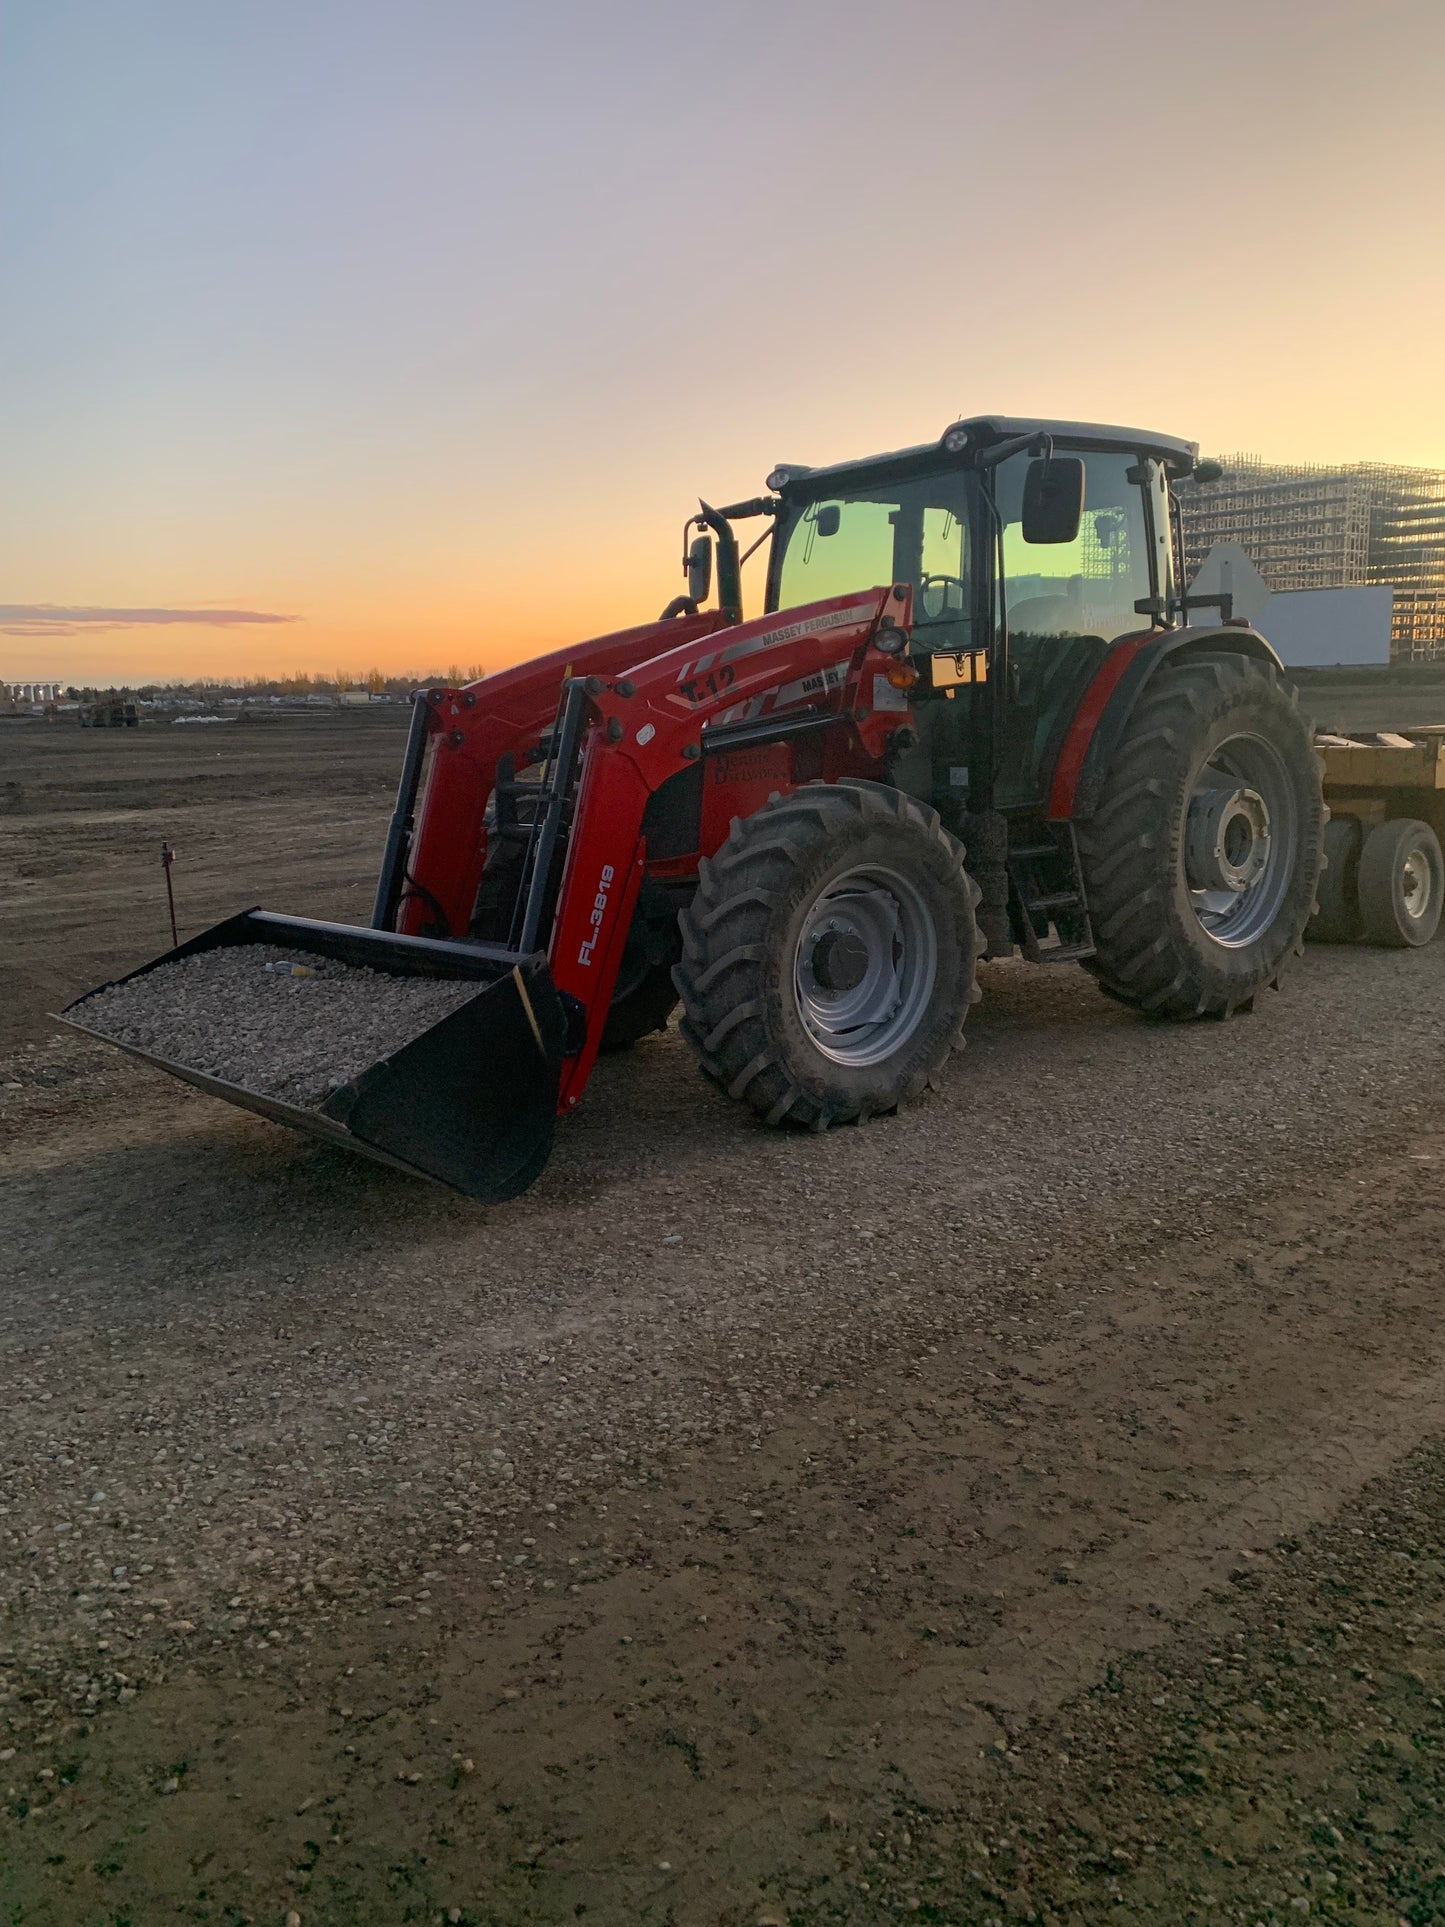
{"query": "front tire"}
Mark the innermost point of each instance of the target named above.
(1201, 862)
(829, 955)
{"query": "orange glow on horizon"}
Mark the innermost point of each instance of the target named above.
(498, 614)
(295, 335)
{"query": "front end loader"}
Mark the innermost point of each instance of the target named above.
(976, 717)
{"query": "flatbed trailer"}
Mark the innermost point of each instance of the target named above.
(1384, 880)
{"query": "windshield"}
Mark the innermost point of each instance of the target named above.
(915, 531)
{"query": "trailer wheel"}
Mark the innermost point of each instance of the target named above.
(1201, 861)
(1401, 883)
(1337, 914)
(828, 955)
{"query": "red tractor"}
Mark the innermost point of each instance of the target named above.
(972, 718)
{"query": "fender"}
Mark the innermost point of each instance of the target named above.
(1087, 752)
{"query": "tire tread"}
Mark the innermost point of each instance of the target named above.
(725, 944)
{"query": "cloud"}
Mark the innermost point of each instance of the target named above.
(52, 619)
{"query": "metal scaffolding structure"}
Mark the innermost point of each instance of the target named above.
(1317, 527)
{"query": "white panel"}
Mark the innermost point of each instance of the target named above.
(1319, 628)
(1310, 628)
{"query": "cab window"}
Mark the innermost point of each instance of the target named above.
(1087, 587)
(915, 532)
(835, 546)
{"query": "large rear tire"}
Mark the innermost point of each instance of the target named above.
(829, 955)
(1201, 861)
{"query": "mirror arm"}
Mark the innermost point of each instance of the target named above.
(1223, 603)
(1035, 443)
(758, 505)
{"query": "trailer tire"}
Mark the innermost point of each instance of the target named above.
(1337, 909)
(829, 955)
(1201, 861)
(1401, 883)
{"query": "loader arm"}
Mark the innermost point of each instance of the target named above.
(812, 669)
(469, 733)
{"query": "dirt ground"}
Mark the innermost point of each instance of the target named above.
(293, 803)
(1028, 1508)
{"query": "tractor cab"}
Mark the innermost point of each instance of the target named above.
(1030, 548)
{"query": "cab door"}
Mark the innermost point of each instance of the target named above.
(1063, 604)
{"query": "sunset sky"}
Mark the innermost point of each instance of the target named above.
(422, 325)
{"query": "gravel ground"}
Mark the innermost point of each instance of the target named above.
(296, 1031)
(1284, 1758)
(719, 1501)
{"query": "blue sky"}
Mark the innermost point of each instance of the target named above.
(423, 324)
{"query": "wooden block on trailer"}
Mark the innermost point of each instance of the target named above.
(1390, 765)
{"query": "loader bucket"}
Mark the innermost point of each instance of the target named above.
(469, 1101)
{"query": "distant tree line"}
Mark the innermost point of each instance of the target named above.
(209, 688)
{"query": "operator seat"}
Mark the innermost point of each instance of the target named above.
(1049, 615)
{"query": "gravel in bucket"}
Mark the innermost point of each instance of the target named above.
(284, 1034)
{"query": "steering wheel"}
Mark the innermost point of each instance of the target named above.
(934, 598)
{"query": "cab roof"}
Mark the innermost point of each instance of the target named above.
(985, 430)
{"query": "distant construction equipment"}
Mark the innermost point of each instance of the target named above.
(110, 712)
(1319, 527)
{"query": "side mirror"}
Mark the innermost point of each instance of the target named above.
(828, 519)
(1053, 504)
(699, 569)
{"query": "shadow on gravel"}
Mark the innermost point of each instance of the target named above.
(120, 1178)
(213, 1191)
(205, 1190)
(211, 1179)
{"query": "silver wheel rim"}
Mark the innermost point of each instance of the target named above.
(1417, 883)
(1241, 840)
(865, 966)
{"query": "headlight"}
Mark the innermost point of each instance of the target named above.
(955, 439)
(779, 478)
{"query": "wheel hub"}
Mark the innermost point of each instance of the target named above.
(1227, 839)
(840, 959)
(1241, 839)
(865, 966)
(1415, 884)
